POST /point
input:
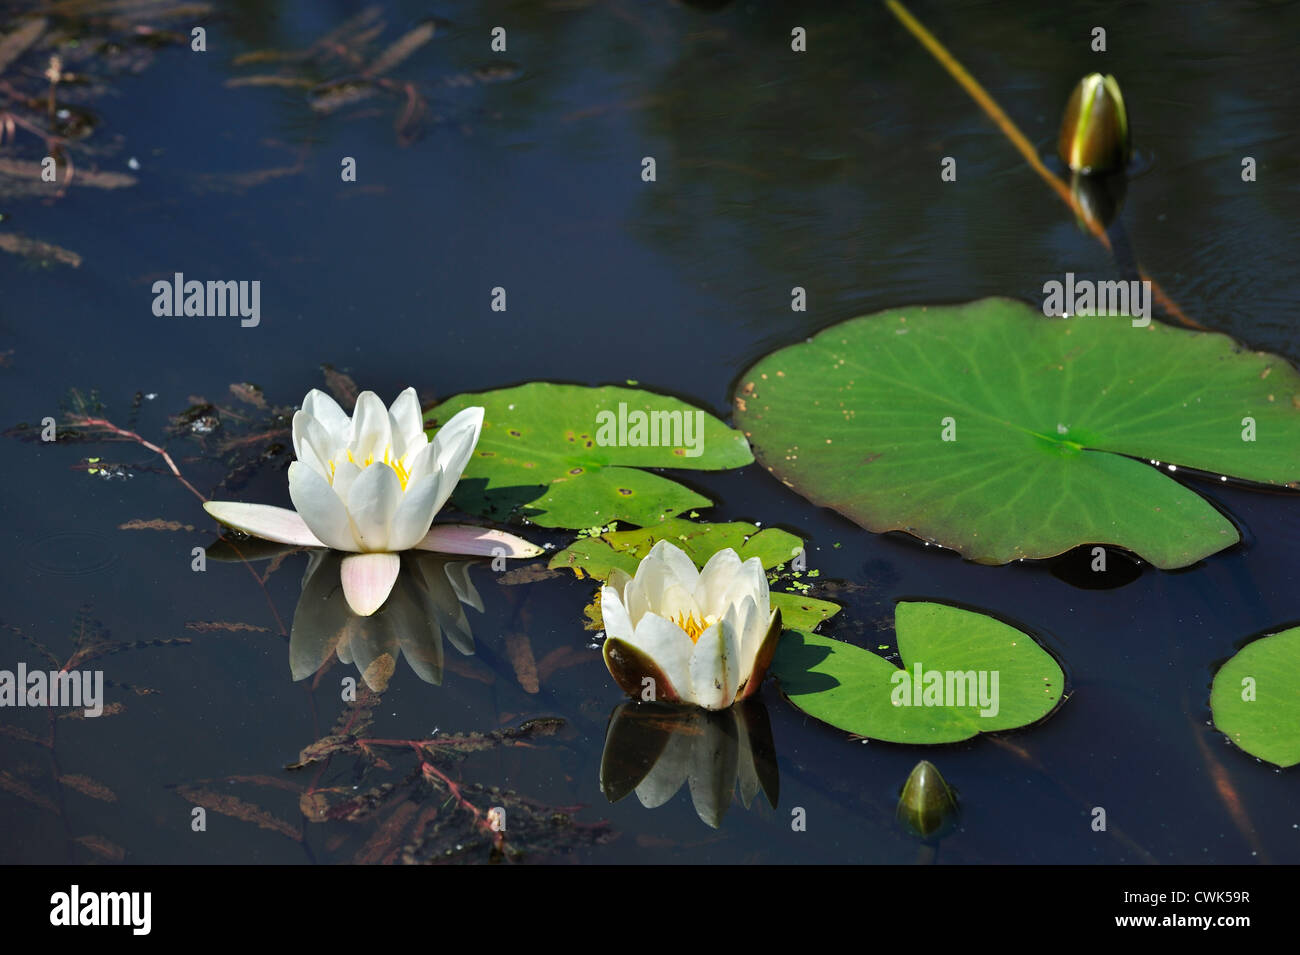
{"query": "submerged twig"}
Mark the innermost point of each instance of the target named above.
(106, 425)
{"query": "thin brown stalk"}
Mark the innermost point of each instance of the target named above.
(1023, 146)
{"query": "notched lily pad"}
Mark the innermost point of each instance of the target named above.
(963, 673)
(570, 456)
(1002, 434)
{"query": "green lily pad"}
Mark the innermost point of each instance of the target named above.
(597, 556)
(856, 690)
(802, 613)
(1046, 417)
(1255, 698)
(547, 454)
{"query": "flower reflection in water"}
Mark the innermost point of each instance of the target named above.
(427, 604)
(652, 748)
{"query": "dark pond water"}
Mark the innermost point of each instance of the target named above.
(775, 169)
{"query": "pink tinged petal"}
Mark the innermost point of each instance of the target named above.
(631, 667)
(763, 657)
(453, 445)
(277, 524)
(476, 541)
(372, 502)
(368, 580)
(312, 444)
(331, 417)
(414, 513)
(405, 422)
(715, 668)
(614, 614)
(371, 432)
(320, 508)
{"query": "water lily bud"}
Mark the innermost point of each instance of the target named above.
(927, 805)
(1098, 199)
(1094, 131)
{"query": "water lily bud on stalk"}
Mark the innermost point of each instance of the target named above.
(928, 804)
(704, 637)
(1098, 199)
(1094, 131)
(371, 485)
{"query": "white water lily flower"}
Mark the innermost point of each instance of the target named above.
(371, 484)
(705, 637)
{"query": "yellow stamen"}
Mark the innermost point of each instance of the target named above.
(403, 475)
(694, 628)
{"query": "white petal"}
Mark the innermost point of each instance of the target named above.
(743, 619)
(619, 580)
(454, 442)
(614, 614)
(420, 462)
(345, 472)
(277, 524)
(327, 411)
(715, 580)
(677, 563)
(368, 579)
(371, 432)
(414, 513)
(750, 580)
(404, 420)
(320, 507)
(312, 443)
(670, 648)
(658, 586)
(476, 541)
(372, 501)
(715, 668)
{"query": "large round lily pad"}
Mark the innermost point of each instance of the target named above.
(963, 673)
(1256, 698)
(1003, 434)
